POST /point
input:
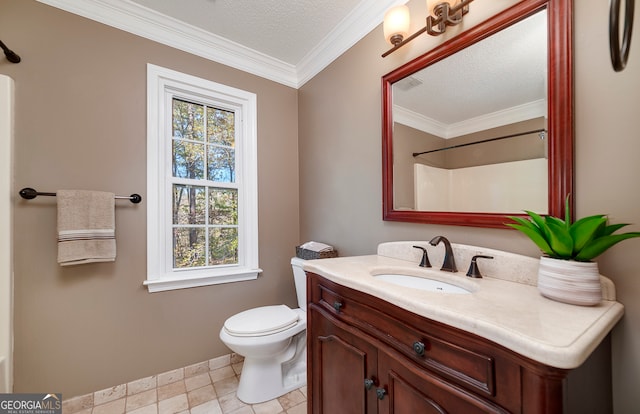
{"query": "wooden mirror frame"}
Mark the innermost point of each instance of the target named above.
(560, 112)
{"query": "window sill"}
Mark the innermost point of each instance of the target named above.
(190, 281)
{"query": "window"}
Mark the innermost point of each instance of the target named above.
(202, 214)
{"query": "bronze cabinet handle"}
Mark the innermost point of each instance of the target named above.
(418, 348)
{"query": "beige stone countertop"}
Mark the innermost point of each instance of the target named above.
(511, 314)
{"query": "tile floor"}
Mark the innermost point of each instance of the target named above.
(205, 388)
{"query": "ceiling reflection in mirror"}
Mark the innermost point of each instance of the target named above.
(470, 131)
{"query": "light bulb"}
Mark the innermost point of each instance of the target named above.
(396, 24)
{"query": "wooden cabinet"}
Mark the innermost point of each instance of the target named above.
(366, 355)
(412, 389)
(342, 361)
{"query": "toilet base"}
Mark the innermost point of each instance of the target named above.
(259, 386)
(265, 379)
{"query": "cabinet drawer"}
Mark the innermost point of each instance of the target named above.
(423, 343)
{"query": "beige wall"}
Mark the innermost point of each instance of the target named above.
(406, 141)
(94, 326)
(340, 163)
(81, 123)
(524, 147)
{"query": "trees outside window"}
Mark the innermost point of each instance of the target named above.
(202, 143)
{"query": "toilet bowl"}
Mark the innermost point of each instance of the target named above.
(273, 342)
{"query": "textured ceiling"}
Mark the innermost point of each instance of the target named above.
(283, 29)
(505, 71)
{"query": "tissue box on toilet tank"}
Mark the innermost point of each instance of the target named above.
(311, 255)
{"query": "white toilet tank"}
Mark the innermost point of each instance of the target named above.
(300, 280)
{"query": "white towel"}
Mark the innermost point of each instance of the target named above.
(86, 227)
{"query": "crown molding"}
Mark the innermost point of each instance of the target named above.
(519, 113)
(142, 21)
(361, 21)
(420, 122)
(524, 112)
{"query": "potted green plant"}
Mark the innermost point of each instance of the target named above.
(567, 271)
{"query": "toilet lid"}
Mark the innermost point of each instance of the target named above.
(261, 321)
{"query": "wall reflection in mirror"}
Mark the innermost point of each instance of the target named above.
(470, 131)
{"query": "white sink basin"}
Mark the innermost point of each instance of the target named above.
(422, 283)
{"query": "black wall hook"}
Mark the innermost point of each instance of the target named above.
(620, 52)
(10, 54)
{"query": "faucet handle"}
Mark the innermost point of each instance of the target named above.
(474, 271)
(425, 258)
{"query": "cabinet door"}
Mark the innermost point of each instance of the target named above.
(411, 389)
(343, 367)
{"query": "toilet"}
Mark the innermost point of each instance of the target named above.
(273, 342)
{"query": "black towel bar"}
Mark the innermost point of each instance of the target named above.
(30, 193)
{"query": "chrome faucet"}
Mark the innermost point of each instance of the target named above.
(449, 264)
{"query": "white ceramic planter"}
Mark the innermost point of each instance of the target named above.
(568, 281)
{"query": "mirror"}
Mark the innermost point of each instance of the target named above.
(483, 122)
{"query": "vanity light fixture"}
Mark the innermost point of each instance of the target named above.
(442, 13)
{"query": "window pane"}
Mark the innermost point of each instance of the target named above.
(223, 206)
(188, 247)
(188, 120)
(189, 204)
(221, 127)
(223, 246)
(221, 164)
(188, 160)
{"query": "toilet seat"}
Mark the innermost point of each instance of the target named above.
(265, 320)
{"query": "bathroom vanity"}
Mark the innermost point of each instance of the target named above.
(376, 347)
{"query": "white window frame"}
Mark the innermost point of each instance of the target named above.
(162, 85)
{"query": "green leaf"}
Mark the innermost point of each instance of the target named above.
(610, 229)
(585, 230)
(598, 246)
(526, 223)
(567, 211)
(534, 235)
(555, 220)
(560, 240)
(539, 221)
(597, 216)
